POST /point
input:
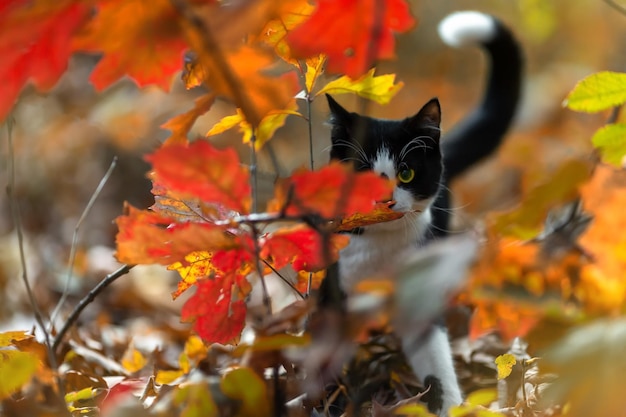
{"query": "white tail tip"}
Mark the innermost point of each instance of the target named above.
(467, 28)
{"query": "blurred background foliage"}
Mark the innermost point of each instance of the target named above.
(66, 140)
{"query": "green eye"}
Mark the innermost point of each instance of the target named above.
(406, 175)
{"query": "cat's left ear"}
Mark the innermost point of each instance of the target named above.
(429, 117)
(338, 115)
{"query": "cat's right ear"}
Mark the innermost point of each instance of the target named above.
(338, 115)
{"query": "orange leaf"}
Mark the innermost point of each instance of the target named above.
(217, 318)
(202, 171)
(274, 33)
(139, 38)
(180, 209)
(301, 246)
(181, 124)
(35, 44)
(380, 214)
(330, 192)
(352, 33)
(146, 238)
(239, 75)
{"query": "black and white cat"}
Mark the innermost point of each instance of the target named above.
(410, 151)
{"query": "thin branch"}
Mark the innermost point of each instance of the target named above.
(17, 220)
(285, 280)
(254, 182)
(211, 47)
(73, 317)
(70, 267)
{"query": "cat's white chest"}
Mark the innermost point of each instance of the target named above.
(378, 251)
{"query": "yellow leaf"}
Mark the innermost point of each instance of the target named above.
(7, 338)
(249, 389)
(195, 400)
(505, 365)
(197, 265)
(16, 369)
(597, 92)
(381, 88)
(227, 123)
(263, 133)
(314, 68)
(413, 410)
(84, 394)
(133, 360)
(167, 377)
(270, 124)
(484, 396)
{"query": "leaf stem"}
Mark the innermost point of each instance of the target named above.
(73, 317)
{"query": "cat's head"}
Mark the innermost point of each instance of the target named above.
(407, 150)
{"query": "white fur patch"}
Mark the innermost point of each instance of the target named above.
(383, 163)
(467, 28)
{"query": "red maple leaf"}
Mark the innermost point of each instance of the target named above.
(139, 38)
(331, 192)
(35, 44)
(146, 238)
(203, 171)
(352, 33)
(302, 247)
(217, 318)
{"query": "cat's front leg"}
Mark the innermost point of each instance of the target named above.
(430, 357)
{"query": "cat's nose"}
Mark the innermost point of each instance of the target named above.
(392, 204)
(383, 175)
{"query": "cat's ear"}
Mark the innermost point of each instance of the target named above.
(429, 117)
(338, 115)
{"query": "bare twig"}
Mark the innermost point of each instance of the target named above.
(17, 220)
(73, 317)
(70, 267)
(285, 280)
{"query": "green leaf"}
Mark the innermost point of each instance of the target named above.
(525, 221)
(505, 365)
(380, 89)
(611, 141)
(16, 369)
(597, 92)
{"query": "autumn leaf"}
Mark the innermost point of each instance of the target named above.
(146, 238)
(505, 363)
(524, 222)
(598, 92)
(182, 208)
(245, 386)
(243, 77)
(181, 125)
(314, 68)
(292, 14)
(195, 266)
(217, 318)
(35, 44)
(381, 88)
(353, 34)
(330, 192)
(16, 369)
(138, 38)
(273, 121)
(380, 214)
(200, 170)
(611, 141)
(302, 247)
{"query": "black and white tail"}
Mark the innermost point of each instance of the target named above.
(482, 131)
